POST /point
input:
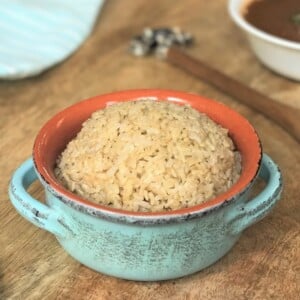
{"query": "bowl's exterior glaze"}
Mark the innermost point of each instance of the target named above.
(281, 56)
(276, 57)
(145, 248)
(152, 252)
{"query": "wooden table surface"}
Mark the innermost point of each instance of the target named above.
(264, 264)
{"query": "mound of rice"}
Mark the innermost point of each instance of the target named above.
(149, 156)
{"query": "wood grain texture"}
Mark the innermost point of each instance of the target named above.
(264, 264)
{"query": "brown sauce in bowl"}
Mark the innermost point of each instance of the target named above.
(280, 18)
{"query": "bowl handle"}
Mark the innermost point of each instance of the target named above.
(31, 209)
(245, 214)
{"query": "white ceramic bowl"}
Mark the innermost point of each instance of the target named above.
(280, 55)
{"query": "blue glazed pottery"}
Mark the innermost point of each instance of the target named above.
(136, 245)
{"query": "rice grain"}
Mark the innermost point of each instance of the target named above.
(149, 156)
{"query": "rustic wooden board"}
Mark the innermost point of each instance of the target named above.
(264, 264)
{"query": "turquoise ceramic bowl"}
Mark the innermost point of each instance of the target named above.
(145, 246)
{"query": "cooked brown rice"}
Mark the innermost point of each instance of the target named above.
(149, 156)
